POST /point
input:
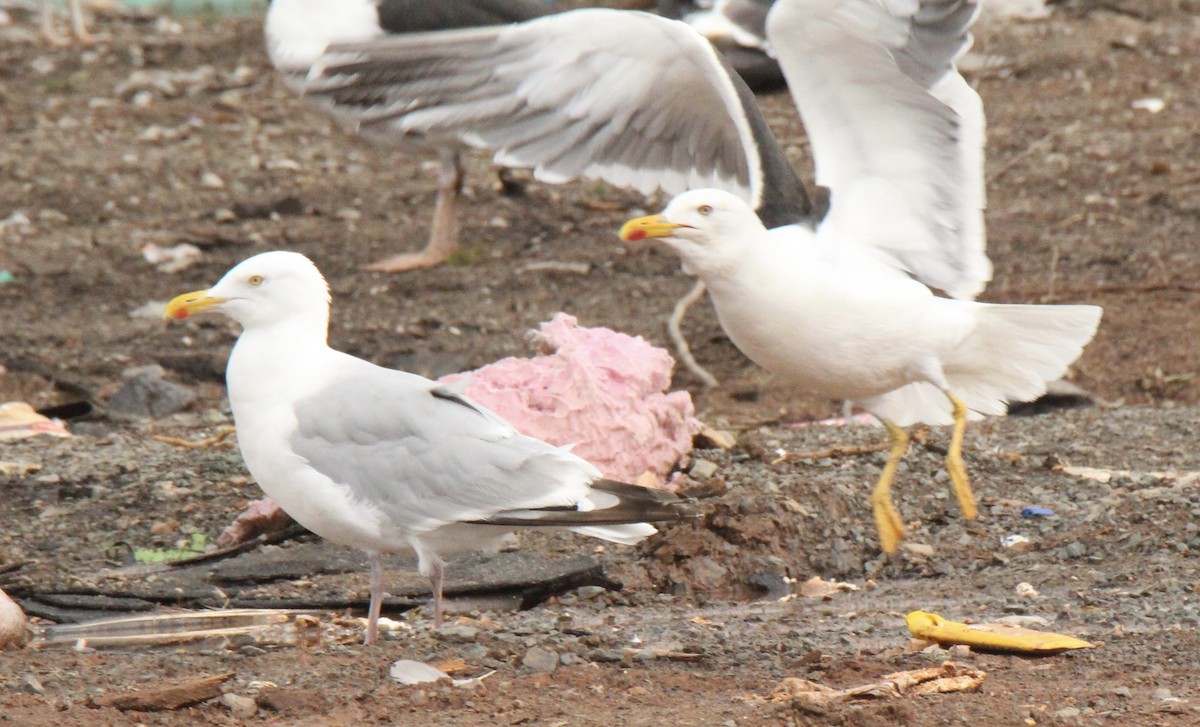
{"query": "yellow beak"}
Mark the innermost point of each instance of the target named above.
(640, 228)
(189, 304)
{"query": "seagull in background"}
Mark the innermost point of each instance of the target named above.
(299, 32)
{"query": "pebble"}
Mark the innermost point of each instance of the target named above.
(457, 634)
(1075, 550)
(239, 706)
(1125, 692)
(147, 394)
(32, 684)
(1067, 713)
(539, 659)
(703, 469)
(211, 181)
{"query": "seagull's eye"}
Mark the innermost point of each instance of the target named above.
(255, 280)
(705, 209)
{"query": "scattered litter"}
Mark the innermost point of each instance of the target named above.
(203, 629)
(1034, 511)
(19, 420)
(195, 546)
(6, 276)
(603, 391)
(989, 637)
(1026, 590)
(13, 631)
(1012, 541)
(19, 468)
(1015, 9)
(862, 419)
(709, 438)
(409, 672)
(554, 266)
(815, 587)
(222, 434)
(948, 677)
(1153, 105)
(171, 259)
(166, 695)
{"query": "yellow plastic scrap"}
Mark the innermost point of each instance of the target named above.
(989, 637)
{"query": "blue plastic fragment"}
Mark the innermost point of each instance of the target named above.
(1033, 511)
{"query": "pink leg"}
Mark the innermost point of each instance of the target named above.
(435, 578)
(376, 561)
(443, 236)
(78, 27)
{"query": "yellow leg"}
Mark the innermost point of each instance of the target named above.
(954, 460)
(887, 519)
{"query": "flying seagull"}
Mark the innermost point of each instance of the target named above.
(385, 460)
(842, 304)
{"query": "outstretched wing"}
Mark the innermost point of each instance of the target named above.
(897, 134)
(630, 98)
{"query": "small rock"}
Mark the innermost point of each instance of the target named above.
(1162, 694)
(539, 659)
(208, 180)
(32, 684)
(585, 593)
(1075, 550)
(703, 469)
(457, 634)
(1125, 692)
(241, 707)
(147, 394)
(1067, 713)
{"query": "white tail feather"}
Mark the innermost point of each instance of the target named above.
(1013, 352)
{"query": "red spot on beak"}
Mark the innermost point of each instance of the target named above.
(180, 314)
(635, 235)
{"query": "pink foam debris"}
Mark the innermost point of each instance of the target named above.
(602, 391)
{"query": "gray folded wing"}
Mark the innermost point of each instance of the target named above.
(425, 456)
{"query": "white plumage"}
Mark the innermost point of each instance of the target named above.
(843, 305)
(385, 460)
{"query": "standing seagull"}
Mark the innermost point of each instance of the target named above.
(298, 32)
(842, 305)
(385, 460)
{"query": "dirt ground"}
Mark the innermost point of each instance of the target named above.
(172, 132)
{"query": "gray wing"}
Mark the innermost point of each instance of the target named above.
(426, 456)
(897, 134)
(630, 98)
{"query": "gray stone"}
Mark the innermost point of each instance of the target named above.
(239, 706)
(147, 394)
(1067, 713)
(539, 659)
(457, 634)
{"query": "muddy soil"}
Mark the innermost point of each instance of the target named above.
(173, 132)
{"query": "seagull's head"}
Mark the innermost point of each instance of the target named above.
(263, 290)
(707, 227)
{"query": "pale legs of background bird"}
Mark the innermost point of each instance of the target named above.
(443, 232)
(78, 24)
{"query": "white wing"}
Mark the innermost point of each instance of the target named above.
(636, 100)
(897, 134)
